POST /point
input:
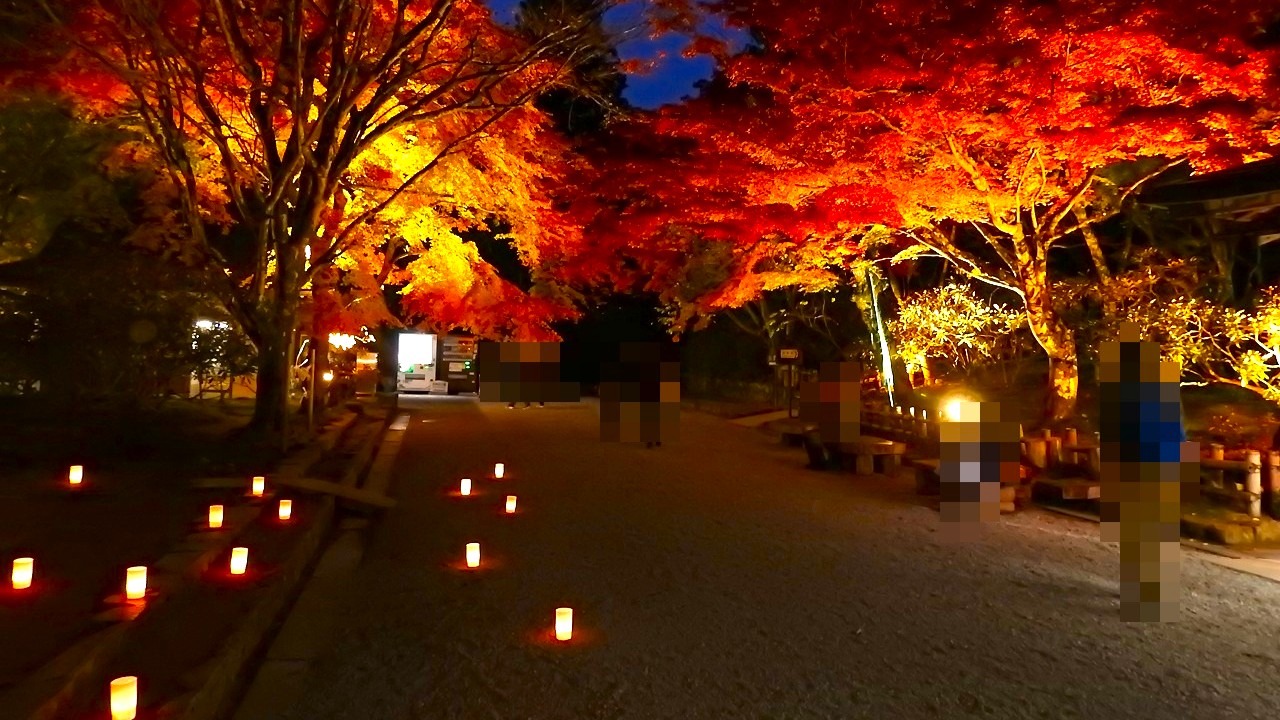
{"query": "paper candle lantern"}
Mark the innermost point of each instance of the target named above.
(239, 560)
(259, 486)
(499, 470)
(286, 509)
(511, 504)
(466, 486)
(124, 698)
(564, 623)
(135, 583)
(473, 555)
(75, 475)
(215, 517)
(23, 569)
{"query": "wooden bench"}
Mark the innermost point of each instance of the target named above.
(928, 482)
(793, 430)
(866, 449)
(1069, 488)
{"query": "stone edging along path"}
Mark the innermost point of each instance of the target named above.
(223, 680)
(69, 680)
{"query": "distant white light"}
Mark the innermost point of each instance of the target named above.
(204, 324)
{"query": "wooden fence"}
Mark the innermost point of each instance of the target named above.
(1246, 480)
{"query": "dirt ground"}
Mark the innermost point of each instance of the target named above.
(135, 504)
(716, 577)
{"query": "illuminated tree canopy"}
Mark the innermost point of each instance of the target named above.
(364, 134)
(984, 131)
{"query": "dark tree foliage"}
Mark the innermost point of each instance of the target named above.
(593, 94)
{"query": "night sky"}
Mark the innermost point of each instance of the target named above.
(674, 76)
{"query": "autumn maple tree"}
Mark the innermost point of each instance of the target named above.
(991, 128)
(331, 148)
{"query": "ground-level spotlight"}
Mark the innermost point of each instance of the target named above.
(465, 488)
(499, 470)
(511, 504)
(215, 516)
(135, 582)
(239, 560)
(124, 698)
(286, 510)
(564, 624)
(23, 570)
(75, 475)
(473, 555)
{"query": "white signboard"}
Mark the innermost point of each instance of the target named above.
(440, 386)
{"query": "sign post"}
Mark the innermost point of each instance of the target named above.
(790, 359)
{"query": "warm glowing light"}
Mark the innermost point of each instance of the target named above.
(135, 583)
(286, 509)
(473, 555)
(564, 623)
(953, 409)
(342, 341)
(239, 560)
(466, 486)
(23, 569)
(328, 376)
(75, 475)
(259, 486)
(499, 470)
(124, 698)
(511, 504)
(215, 517)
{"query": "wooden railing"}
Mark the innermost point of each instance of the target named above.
(1248, 480)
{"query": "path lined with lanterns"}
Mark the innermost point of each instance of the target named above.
(715, 577)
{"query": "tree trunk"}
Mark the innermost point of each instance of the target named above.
(274, 365)
(1099, 263)
(1059, 343)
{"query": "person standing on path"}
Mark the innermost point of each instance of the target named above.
(1146, 464)
(640, 394)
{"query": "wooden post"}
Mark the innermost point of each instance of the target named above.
(1273, 483)
(1037, 451)
(1253, 482)
(1071, 437)
(1216, 452)
(1054, 450)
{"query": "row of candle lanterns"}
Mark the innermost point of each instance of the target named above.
(23, 570)
(564, 616)
(124, 690)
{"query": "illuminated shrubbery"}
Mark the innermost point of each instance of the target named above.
(953, 324)
(1212, 342)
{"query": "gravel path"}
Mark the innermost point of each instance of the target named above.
(715, 577)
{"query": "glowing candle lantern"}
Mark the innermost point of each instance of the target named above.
(23, 569)
(466, 486)
(75, 475)
(239, 560)
(473, 555)
(215, 517)
(499, 470)
(286, 509)
(259, 486)
(135, 583)
(564, 623)
(511, 504)
(124, 698)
